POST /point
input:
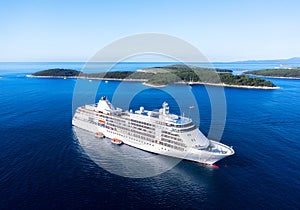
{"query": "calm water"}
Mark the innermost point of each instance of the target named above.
(42, 165)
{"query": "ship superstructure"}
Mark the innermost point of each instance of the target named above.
(155, 131)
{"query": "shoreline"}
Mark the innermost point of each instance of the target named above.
(88, 78)
(274, 76)
(144, 82)
(154, 86)
(232, 86)
(243, 86)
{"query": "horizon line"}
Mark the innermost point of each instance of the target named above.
(151, 61)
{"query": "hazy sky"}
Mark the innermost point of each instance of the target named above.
(223, 30)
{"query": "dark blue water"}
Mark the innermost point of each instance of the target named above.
(42, 165)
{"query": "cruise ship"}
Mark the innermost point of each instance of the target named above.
(158, 132)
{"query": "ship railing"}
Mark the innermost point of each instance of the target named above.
(213, 150)
(90, 106)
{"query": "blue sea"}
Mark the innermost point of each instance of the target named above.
(44, 166)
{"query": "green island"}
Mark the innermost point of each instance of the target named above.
(172, 74)
(282, 73)
(197, 75)
(57, 72)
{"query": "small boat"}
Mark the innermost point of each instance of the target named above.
(99, 134)
(116, 141)
(101, 121)
(190, 82)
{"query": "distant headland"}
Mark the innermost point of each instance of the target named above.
(166, 75)
(289, 73)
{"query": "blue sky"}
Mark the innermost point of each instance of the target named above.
(228, 30)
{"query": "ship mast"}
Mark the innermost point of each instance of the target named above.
(165, 108)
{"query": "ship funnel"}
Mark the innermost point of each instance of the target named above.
(105, 106)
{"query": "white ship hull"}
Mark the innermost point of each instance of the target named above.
(210, 152)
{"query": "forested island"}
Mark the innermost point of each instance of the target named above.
(172, 74)
(57, 73)
(283, 73)
(199, 75)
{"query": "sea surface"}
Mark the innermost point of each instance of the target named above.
(43, 164)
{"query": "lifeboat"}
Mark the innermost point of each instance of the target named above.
(99, 134)
(116, 141)
(101, 121)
